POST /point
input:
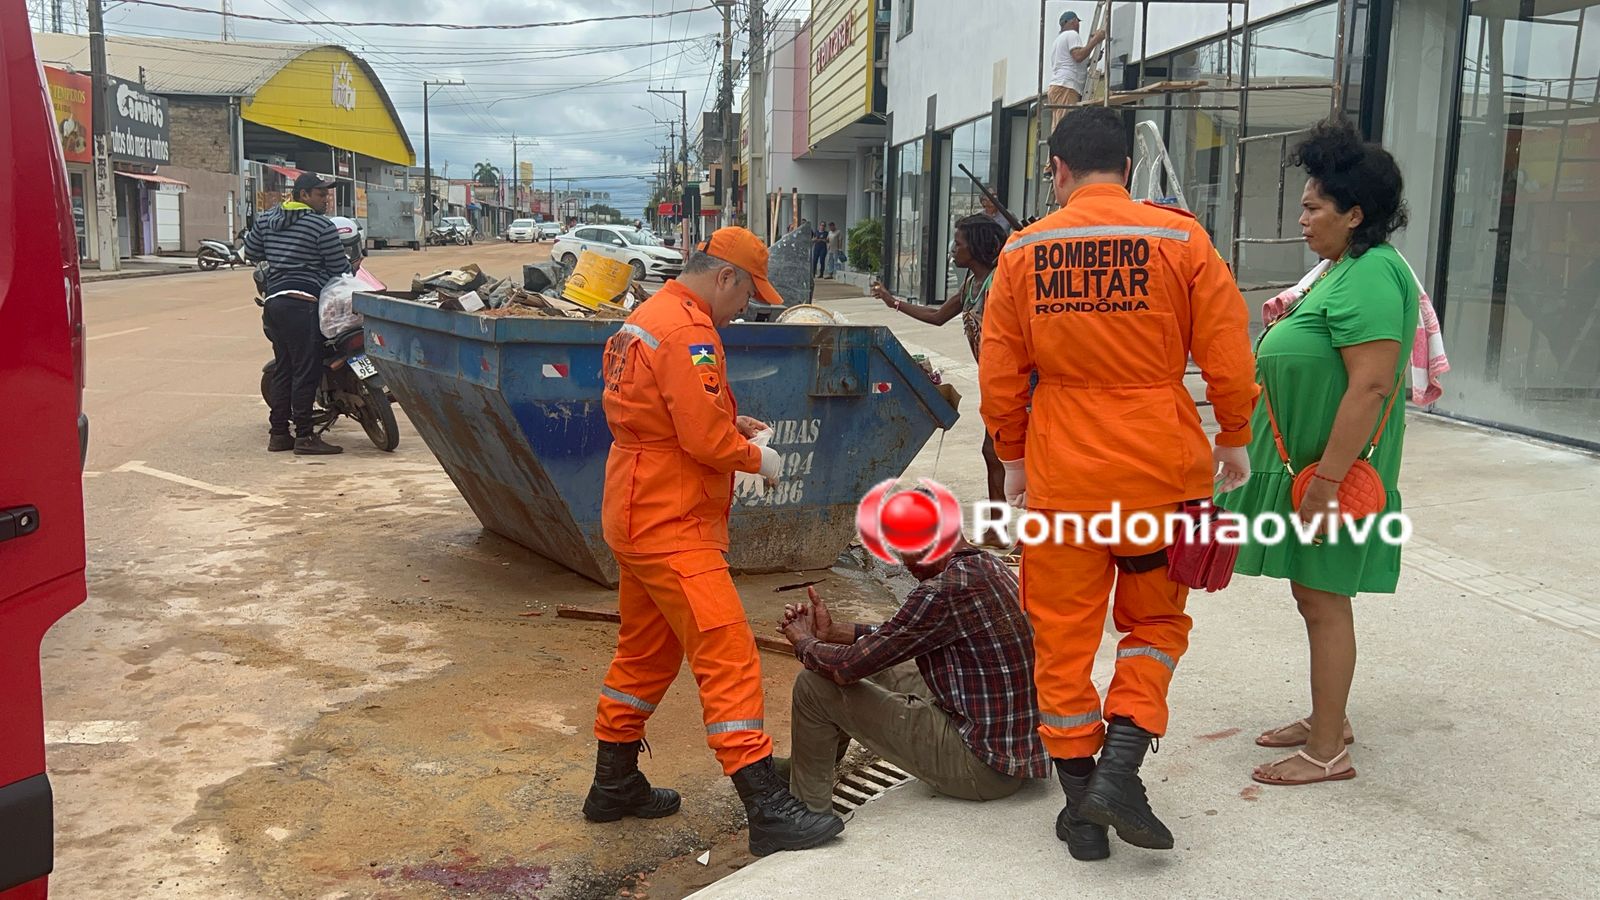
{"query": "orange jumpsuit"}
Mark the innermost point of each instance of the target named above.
(669, 486)
(1107, 299)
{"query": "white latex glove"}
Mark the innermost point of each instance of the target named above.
(1232, 467)
(1016, 482)
(771, 465)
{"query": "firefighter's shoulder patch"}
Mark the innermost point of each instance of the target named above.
(703, 354)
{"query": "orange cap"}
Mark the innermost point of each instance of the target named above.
(740, 247)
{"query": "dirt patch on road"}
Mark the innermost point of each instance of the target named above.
(393, 710)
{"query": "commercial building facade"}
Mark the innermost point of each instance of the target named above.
(825, 103)
(1492, 108)
(205, 134)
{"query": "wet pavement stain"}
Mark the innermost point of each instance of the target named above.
(468, 877)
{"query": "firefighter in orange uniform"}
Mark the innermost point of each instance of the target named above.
(1107, 299)
(677, 442)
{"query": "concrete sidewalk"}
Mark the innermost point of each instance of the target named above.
(1473, 710)
(141, 267)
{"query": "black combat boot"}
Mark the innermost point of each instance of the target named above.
(778, 820)
(279, 442)
(620, 789)
(1115, 796)
(1085, 840)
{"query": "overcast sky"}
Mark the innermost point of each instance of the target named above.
(533, 83)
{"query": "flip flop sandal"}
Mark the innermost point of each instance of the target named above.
(1265, 740)
(1327, 770)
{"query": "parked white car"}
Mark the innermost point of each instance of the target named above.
(523, 230)
(549, 231)
(645, 253)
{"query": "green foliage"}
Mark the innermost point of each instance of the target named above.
(866, 245)
(486, 174)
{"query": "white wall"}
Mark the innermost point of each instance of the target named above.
(970, 60)
(809, 176)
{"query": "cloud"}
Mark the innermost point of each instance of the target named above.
(572, 91)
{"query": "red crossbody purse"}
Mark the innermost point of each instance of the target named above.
(1361, 494)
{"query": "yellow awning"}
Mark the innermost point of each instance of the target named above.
(331, 96)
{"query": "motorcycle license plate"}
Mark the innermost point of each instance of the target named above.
(363, 367)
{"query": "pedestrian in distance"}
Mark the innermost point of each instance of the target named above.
(819, 251)
(301, 248)
(677, 440)
(943, 689)
(835, 249)
(1107, 299)
(1331, 373)
(1069, 65)
(976, 248)
(994, 213)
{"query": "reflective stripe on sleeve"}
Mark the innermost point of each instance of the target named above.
(1151, 652)
(648, 338)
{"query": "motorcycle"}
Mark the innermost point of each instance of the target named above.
(351, 385)
(214, 254)
(448, 234)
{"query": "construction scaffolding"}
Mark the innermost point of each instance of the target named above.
(1235, 88)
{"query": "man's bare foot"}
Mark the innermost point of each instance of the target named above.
(1295, 734)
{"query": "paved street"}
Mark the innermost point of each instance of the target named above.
(306, 677)
(320, 678)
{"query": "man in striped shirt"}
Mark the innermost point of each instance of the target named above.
(301, 248)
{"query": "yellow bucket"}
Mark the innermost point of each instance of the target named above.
(597, 279)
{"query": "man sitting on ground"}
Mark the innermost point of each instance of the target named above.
(963, 719)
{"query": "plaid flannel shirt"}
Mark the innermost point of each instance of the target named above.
(974, 648)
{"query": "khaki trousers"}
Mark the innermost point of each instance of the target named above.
(1059, 96)
(889, 713)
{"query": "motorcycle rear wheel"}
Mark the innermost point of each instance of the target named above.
(377, 416)
(207, 259)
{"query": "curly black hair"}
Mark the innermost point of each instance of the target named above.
(985, 238)
(1353, 173)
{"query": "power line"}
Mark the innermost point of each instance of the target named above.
(520, 26)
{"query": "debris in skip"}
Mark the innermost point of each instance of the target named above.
(547, 290)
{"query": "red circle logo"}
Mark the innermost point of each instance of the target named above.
(909, 521)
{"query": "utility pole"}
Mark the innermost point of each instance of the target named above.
(724, 184)
(516, 174)
(683, 159)
(755, 118)
(56, 24)
(227, 20)
(105, 198)
(427, 152)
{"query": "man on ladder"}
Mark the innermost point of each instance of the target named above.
(1069, 65)
(1106, 299)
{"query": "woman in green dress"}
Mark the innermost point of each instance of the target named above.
(976, 247)
(1328, 368)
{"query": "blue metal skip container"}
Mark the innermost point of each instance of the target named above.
(511, 408)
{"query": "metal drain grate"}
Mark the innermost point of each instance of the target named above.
(866, 784)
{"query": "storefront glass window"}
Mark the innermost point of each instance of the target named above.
(1522, 304)
(907, 265)
(969, 145)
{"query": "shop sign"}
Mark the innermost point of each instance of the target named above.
(833, 46)
(344, 87)
(361, 202)
(69, 96)
(139, 124)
